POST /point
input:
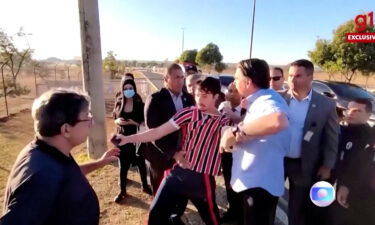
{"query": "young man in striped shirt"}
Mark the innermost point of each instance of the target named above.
(198, 161)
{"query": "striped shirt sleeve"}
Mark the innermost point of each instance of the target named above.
(182, 117)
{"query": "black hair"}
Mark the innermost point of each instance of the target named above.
(131, 82)
(136, 97)
(279, 69)
(364, 101)
(210, 85)
(173, 66)
(130, 75)
(55, 108)
(257, 70)
(192, 68)
(120, 101)
(309, 66)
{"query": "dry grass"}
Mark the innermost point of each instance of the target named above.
(16, 133)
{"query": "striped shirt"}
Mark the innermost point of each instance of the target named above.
(201, 141)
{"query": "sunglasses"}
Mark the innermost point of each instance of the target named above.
(275, 78)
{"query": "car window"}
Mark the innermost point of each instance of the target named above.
(323, 89)
(353, 92)
(226, 80)
(350, 91)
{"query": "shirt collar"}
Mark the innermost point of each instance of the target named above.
(251, 98)
(308, 97)
(175, 96)
(238, 108)
(45, 147)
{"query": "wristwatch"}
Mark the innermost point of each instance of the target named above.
(235, 130)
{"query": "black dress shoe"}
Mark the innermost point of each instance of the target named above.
(147, 189)
(121, 196)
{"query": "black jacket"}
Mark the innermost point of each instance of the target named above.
(356, 162)
(159, 108)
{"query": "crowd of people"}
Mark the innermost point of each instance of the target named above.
(258, 134)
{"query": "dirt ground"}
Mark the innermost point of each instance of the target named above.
(15, 134)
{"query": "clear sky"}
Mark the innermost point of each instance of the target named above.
(151, 29)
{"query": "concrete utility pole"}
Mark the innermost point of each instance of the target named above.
(252, 29)
(183, 39)
(92, 74)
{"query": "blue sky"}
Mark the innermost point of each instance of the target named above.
(151, 29)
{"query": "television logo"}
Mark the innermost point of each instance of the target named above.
(361, 23)
(322, 194)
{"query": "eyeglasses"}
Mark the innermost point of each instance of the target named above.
(90, 119)
(275, 78)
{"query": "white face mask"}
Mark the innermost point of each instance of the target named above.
(129, 93)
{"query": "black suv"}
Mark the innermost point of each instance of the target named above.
(343, 93)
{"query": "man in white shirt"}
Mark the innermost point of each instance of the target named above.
(259, 144)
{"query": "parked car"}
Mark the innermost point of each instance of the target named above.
(343, 93)
(225, 80)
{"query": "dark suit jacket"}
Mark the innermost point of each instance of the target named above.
(159, 108)
(322, 120)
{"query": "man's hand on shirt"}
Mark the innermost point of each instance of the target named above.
(242, 137)
(181, 161)
(342, 196)
(227, 140)
(324, 173)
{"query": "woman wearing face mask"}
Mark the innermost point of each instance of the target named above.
(128, 115)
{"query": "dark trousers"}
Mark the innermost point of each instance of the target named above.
(360, 212)
(259, 207)
(234, 199)
(128, 157)
(179, 186)
(156, 176)
(157, 173)
(299, 190)
(301, 210)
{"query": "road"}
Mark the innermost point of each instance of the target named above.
(155, 78)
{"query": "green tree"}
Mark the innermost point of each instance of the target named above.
(220, 67)
(135, 63)
(110, 64)
(189, 56)
(347, 58)
(13, 57)
(122, 65)
(209, 56)
(40, 69)
(323, 56)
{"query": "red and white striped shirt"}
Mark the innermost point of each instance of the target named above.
(201, 141)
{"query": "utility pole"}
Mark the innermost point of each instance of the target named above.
(252, 29)
(5, 88)
(183, 39)
(92, 74)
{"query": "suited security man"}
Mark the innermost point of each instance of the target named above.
(313, 148)
(159, 108)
